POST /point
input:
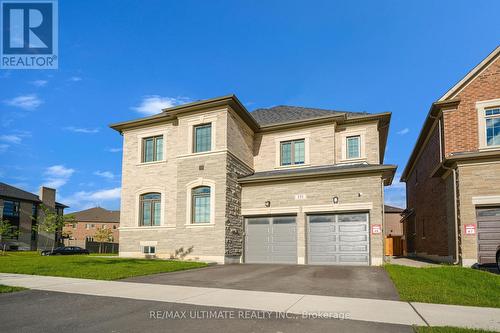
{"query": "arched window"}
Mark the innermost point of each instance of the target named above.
(150, 209)
(201, 204)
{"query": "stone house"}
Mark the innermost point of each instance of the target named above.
(278, 185)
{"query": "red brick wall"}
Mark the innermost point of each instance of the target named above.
(461, 125)
(427, 196)
(81, 232)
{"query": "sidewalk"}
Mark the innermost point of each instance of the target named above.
(383, 311)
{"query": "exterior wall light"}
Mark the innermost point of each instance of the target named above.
(267, 204)
(335, 200)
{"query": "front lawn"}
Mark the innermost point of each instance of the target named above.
(9, 289)
(446, 285)
(88, 267)
(447, 329)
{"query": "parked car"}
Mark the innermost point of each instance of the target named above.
(65, 250)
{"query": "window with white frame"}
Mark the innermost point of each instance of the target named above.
(200, 202)
(353, 147)
(150, 209)
(152, 149)
(492, 118)
(292, 152)
(149, 249)
(202, 140)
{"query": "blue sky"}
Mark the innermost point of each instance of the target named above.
(122, 60)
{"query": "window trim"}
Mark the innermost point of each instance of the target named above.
(147, 134)
(189, 201)
(152, 212)
(149, 248)
(193, 201)
(193, 144)
(137, 210)
(143, 150)
(292, 152)
(362, 144)
(358, 136)
(481, 107)
(292, 137)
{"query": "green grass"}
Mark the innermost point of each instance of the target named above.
(447, 329)
(88, 267)
(446, 285)
(9, 289)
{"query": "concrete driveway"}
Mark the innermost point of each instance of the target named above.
(345, 281)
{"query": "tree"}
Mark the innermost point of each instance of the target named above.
(50, 222)
(7, 231)
(103, 235)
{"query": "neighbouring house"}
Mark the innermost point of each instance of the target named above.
(22, 210)
(453, 174)
(212, 181)
(393, 225)
(87, 222)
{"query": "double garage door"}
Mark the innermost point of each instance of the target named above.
(332, 239)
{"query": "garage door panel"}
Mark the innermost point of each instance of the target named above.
(338, 239)
(271, 240)
(488, 233)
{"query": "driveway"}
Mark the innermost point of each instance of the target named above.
(345, 281)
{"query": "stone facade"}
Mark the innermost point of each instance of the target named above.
(237, 150)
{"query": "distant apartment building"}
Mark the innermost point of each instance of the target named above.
(87, 222)
(22, 210)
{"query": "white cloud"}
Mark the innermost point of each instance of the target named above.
(81, 130)
(39, 83)
(114, 150)
(154, 104)
(57, 175)
(403, 131)
(75, 78)
(11, 138)
(105, 174)
(27, 102)
(87, 199)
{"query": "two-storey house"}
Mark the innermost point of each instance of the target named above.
(453, 174)
(279, 185)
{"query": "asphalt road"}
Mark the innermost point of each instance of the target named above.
(41, 311)
(345, 281)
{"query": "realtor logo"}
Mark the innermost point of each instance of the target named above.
(29, 34)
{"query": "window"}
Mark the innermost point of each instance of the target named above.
(152, 149)
(89, 239)
(149, 249)
(353, 147)
(202, 138)
(492, 127)
(11, 208)
(150, 207)
(292, 152)
(201, 204)
(114, 227)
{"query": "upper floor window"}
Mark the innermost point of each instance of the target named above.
(152, 149)
(293, 152)
(353, 145)
(202, 138)
(201, 204)
(150, 209)
(11, 208)
(492, 126)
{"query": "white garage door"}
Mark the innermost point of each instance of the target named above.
(271, 240)
(338, 239)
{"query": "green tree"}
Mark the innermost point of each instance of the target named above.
(103, 235)
(7, 231)
(51, 223)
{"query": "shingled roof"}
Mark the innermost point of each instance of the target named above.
(12, 192)
(97, 214)
(284, 113)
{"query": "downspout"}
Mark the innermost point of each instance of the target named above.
(455, 207)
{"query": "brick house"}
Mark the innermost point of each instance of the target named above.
(280, 185)
(88, 221)
(22, 210)
(453, 174)
(393, 225)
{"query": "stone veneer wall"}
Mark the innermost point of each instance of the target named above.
(234, 220)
